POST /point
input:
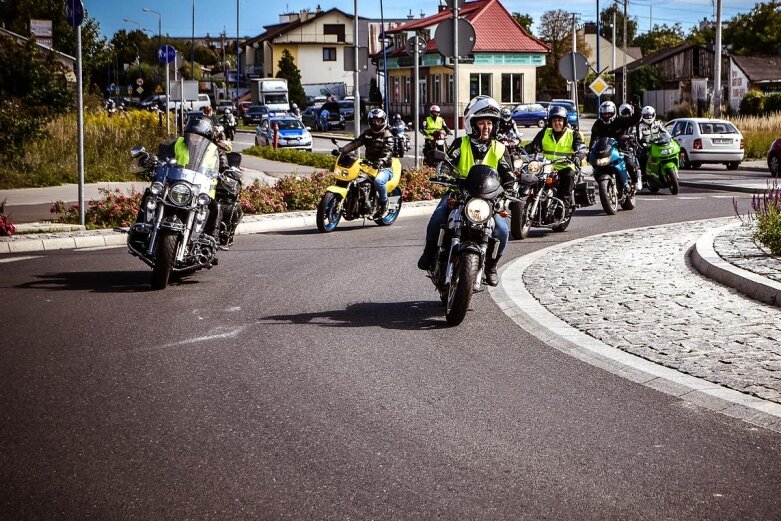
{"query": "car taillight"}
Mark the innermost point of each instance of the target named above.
(698, 144)
(741, 144)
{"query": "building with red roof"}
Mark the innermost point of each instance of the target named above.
(503, 63)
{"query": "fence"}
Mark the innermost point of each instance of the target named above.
(662, 100)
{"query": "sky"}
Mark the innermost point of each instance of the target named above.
(215, 16)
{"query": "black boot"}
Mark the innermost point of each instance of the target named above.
(491, 276)
(429, 255)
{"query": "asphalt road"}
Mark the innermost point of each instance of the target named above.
(312, 376)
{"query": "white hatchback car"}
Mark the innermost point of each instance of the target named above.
(704, 140)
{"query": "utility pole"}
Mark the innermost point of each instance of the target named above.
(623, 73)
(717, 65)
(356, 78)
(599, 70)
(455, 69)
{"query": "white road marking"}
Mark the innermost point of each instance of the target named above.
(14, 259)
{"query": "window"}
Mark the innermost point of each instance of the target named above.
(479, 84)
(436, 89)
(396, 93)
(449, 89)
(407, 88)
(329, 54)
(512, 88)
(337, 29)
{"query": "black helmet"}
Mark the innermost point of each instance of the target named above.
(373, 116)
(557, 111)
(201, 126)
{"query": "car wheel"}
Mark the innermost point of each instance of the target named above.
(773, 165)
(684, 161)
(733, 165)
(541, 123)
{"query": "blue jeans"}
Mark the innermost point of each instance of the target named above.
(439, 217)
(383, 176)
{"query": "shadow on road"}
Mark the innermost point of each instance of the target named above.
(415, 316)
(97, 281)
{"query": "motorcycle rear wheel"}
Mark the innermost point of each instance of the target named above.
(608, 196)
(629, 202)
(520, 222)
(461, 287)
(564, 222)
(328, 212)
(164, 260)
(672, 175)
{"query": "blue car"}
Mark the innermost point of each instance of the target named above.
(529, 115)
(292, 133)
(572, 114)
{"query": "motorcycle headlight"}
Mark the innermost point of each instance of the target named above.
(478, 210)
(156, 188)
(203, 199)
(180, 194)
(603, 161)
(666, 151)
(535, 167)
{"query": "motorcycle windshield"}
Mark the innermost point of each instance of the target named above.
(196, 153)
(482, 181)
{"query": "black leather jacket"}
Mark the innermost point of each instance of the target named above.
(379, 146)
(616, 128)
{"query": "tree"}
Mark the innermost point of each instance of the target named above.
(703, 35)
(525, 21)
(606, 25)
(289, 71)
(642, 79)
(660, 37)
(556, 31)
(756, 32)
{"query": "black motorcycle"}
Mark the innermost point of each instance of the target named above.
(538, 204)
(188, 212)
(401, 143)
(466, 241)
(436, 143)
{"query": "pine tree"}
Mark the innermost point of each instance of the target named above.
(289, 71)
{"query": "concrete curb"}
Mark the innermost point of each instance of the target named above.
(525, 310)
(711, 265)
(718, 186)
(255, 224)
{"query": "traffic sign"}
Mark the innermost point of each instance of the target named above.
(416, 41)
(139, 81)
(599, 86)
(74, 12)
(466, 37)
(581, 66)
(166, 53)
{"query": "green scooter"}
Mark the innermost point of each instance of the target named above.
(661, 170)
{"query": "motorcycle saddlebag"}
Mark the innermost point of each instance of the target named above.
(584, 194)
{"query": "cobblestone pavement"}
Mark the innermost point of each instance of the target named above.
(653, 304)
(736, 245)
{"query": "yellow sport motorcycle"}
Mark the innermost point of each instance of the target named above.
(353, 195)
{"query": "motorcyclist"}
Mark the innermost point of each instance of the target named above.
(295, 111)
(228, 121)
(478, 146)
(612, 125)
(507, 124)
(398, 123)
(378, 141)
(649, 128)
(432, 123)
(557, 140)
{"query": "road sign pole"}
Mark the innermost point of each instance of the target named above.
(574, 70)
(455, 69)
(80, 124)
(167, 100)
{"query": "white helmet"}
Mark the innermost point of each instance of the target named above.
(481, 107)
(227, 111)
(648, 114)
(626, 109)
(607, 111)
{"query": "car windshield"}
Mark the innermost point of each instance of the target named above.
(717, 127)
(287, 124)
(276, 98)
(346, 104)
(256, 108)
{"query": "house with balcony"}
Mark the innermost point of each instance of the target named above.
(503, 63)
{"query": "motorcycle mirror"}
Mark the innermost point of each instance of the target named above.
(333, 140)
(137, 152)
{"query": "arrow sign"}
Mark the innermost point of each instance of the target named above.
(74, 12)
(166, 53)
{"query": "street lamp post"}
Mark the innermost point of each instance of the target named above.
(159, 35)
(138, 60)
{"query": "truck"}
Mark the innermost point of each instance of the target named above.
(335, 90)
(271, 92)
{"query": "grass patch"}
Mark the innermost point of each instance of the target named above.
(298, 157)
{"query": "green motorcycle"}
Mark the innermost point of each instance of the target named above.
(661, 170)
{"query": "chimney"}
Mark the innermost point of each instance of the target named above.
(422, 14)
(410, 16)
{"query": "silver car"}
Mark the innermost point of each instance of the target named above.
(704, 140)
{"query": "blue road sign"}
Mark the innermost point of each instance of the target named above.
(166, 53)
(74, 12)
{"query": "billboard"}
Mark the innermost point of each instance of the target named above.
(42, 30)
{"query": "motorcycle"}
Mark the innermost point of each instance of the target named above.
(170, 230)
(661, 170)
(437, 142)
(229, 123)
(353, 196)
(401, 143)
(611, 175)
(538, 204)
(466, 241)
(513, 144)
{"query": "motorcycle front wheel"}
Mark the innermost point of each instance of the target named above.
(672, 175)
(461, 287)
(164, 260)
(608, 196)
(391, 217)
(520, 222)
(329, 212)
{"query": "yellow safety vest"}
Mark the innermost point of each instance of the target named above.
(433, 125)
(467, 160)
(563, 147)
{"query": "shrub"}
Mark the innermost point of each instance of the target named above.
(18, 130)
(773, 103)
(752, 103)
(7, 227)
(259, 198)
(111, 210)
(681, 110)
(303, 193)
(415, 185)
(767, 208)
(298, 157)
